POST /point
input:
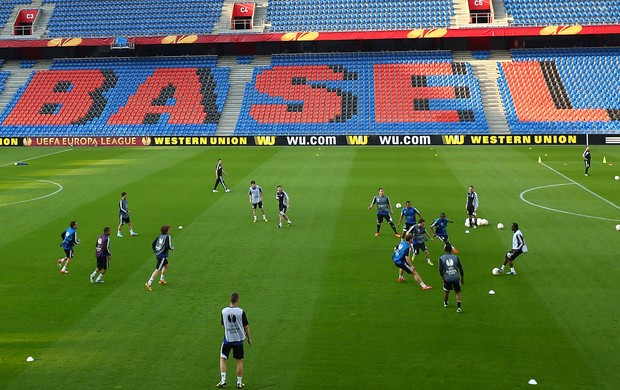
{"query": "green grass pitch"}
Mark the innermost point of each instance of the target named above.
(325, 309)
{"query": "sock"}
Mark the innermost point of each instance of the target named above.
(428, 259)
(512, 269)
(393, 228)
(446, 302)
(264, 217)
(255, 218)
(64, 267)
(150, 281)
(422, 285)
(458, 304)
(223, 375)
(502, 267)
(93, 274)
(131, 231)
(161, 278)
(378, 228)
(99, 277)
(239, 380)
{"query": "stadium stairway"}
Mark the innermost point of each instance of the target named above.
(240, 75)
(499, 13)
(18, 78)
(487, 73)
(461, 14)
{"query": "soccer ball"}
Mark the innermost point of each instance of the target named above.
(617, 178)
(495, 271)
(398, 205)
(618, 227)
(467, 222)
(500, 225)
(479, 221)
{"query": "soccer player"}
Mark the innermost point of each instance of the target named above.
(69, 240)
(440, 229)
(102, 252)
(284, 203)
(586, 159)
(408, 213)
(449, 268)
(256, 199)
(123, 212)
(161, 246)
(219, 176)
(518, 247)
(472, 207)
(419, 239)
(236, 330)
(384, 209)
(402, 260)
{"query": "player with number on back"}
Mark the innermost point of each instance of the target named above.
(449, 268)
(69, 240)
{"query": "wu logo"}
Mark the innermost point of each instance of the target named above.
(450, 262)
(232, 319)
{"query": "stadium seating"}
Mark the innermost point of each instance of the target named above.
(354, 15)
(120, 97)
(6, 8)
(3, 76)
(563, 12)
(562, 90)
(362, 93)
(95, 18)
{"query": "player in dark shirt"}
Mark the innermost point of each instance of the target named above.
(449, 268)
(102, 253)
(219, 176)
(586, 159)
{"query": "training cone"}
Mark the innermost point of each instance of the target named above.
(532, 382)
(30, 359)
(539, 160)
(604, 160)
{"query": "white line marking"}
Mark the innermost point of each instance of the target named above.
(574, 182)
(521, 195)
(60, 188)
(33, 158)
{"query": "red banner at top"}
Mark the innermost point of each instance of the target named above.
(243, 10)
(479, 5)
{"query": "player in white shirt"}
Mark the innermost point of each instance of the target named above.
(236, 331)
(518, 247)
(256, 199)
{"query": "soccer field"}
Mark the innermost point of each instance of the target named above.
(322, 298)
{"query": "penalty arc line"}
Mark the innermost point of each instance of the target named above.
(522, 197)
(574, 182)
(60, 188)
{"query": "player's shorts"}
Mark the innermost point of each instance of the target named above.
(381, 217)
(586, 163)
(408, 226)
(449, 286)
(124, 220)
(442, 237)
(471, 210)
(103, 262)
(513, 256)
(404, 266)
(236, 348)
(419, 247)
(161, 263)
(259, 205)
(69, 253)
(283, 210)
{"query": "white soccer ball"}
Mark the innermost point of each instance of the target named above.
(500, 225)
(479, 221)
(495, 271)
(486, 222)
(398, 205)
(467, 222)
(618, 227)
(617, 178)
